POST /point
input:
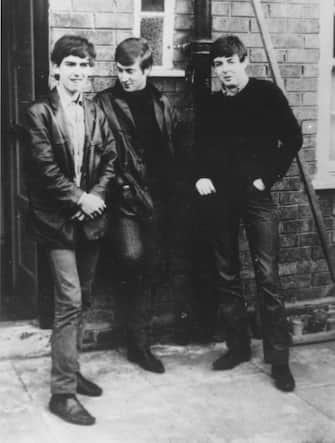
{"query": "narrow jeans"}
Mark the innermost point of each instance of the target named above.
(73, 273)
(258, 213)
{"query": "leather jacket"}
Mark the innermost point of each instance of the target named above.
(53, 194)
(133, 195)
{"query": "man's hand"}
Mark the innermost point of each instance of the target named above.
(79, 215)
(259, 184)
(205, 186)
(91, 205)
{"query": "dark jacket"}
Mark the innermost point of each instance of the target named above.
(134, 196)
(253, 134)
(53, 193)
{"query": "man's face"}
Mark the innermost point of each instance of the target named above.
(230, 70)
(73, 72)
(132, 77)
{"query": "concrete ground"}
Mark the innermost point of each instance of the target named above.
(190, 403)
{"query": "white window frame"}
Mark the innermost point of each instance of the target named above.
(168, 30)
(325, 175)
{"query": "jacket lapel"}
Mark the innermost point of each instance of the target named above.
(62, 126)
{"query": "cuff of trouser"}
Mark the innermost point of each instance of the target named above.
(276, 357)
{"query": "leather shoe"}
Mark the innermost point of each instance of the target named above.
(87, 387)
(283, 377)
(231, 359)
(68, 407)
(145, 359)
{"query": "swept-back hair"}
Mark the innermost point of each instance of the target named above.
(132, 48)
(227, 46)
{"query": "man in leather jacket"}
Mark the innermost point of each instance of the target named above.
(247, 139)
(143, 123)
(70, 163)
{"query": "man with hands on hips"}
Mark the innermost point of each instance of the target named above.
(246, 141)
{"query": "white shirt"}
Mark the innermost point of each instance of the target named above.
(74, 114)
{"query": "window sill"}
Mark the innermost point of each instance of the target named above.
(326, 181)
(166, 72)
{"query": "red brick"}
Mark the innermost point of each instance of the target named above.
(275, 25)
(302, 55)
(288, 240)
(290, 70)
(276, 10)
(289, 212)
(101, 83)
(98, 37)
(71, 20)
(122, 35)
(230, 24)
(259, 55)
(303, 11)
(103, 5)
(303, 26)
(60, 5)
(291, 197)
(220, 8)
(258, 70)
(321, 279)
(306, 113)
(311, 70)
(312, 41)
(309, 127)
(118, 21)
(302, 84)
(294, 98)
(104, 68)
(287, 41)
(296, 281)
(242, 9)
(105, 53)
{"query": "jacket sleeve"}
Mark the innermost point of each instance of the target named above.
(41, 155)
(288, 134)
(107, 172)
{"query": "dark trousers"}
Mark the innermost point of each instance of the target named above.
(139, 248)
(73, 273)
(259, 215)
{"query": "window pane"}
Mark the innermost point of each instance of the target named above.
(153, 5)
(152, 30)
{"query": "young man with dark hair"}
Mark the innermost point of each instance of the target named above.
(70, 159)
(247, 140)
(144, 125)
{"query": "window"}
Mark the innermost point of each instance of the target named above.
(154, 20)
(325, 178)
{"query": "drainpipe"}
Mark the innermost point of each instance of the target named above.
(200, 47)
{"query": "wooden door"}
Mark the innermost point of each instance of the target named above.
(21, 81)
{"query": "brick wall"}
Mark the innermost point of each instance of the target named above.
(294, 27)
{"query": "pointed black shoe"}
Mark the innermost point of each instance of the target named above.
(145, 359)
(87, 387)
(231, 359)
(69, 408)
(283, 377)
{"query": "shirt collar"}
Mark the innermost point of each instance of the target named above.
(67, 100)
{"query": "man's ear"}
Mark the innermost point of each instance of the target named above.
(147, 71)
(55, 71)
(246, 61)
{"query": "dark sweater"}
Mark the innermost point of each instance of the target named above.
(253, 134)
(149, 144)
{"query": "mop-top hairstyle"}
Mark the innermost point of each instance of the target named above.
(227, 46)
(132, 48)
(72, 45)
